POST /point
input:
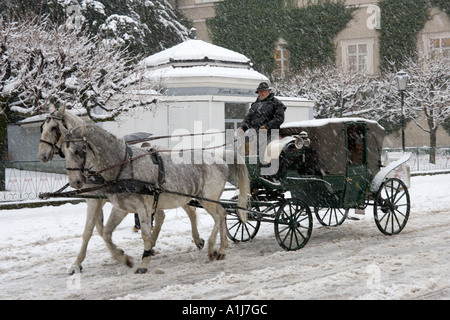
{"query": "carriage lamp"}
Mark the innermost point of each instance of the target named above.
(304, 136)
(301, 140)
(401, 81)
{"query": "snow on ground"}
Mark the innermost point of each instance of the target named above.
(352, 261)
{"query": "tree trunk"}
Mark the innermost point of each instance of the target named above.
(433, 146)
(2, 177)
(3, 151)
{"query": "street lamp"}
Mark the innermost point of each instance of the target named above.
(401, 80)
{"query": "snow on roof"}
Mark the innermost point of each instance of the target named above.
(205, 71)
(194, 50)
(323, 122)
(41, 117)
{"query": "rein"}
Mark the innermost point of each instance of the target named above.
(129, 158)
(172, 136)
(133, 186)
(153, 151)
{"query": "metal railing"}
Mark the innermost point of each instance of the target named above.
(24, 180)
(420, 159)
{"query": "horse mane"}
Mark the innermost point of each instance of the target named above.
(108, 136)
(68, 116)
(72, 118)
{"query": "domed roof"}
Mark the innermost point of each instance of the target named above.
(196, 67)
(194, 53)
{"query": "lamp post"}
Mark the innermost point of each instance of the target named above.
(401, 80)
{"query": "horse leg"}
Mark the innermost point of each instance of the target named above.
(94, 210)
(99, 217)
(145, 215)
(199, 242)
(116, 217)
(223, 232)
(218, 213)
(159, 220)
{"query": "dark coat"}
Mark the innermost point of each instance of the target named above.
(268, 112)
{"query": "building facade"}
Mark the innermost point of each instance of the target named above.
(357, 46)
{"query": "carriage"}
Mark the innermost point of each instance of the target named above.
(328, 166)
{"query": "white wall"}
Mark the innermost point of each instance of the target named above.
(173, 118)
(187, 115)
(140, 120)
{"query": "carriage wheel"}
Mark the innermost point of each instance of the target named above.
(293, 224)
(391, 207)
(239, 231)
(331, 217)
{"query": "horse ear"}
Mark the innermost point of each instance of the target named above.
(51, 108)
(63, 108)
(64, 130)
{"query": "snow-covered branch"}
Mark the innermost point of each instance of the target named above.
(42, 63)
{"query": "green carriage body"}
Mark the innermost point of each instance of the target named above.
(339, 169)
(326, 173)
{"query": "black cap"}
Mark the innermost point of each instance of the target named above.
(263, 86)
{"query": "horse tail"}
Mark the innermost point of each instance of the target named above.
(239, 175)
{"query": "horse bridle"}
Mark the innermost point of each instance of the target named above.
(55, 148)
(83, 168)
(95, 175)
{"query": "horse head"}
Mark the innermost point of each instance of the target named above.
(75, 147)
(50, 141)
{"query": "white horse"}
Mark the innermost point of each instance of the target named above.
(120, 162)
(50, 144)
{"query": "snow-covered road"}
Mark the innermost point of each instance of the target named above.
(352, 261)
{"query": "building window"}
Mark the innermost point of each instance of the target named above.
(357, 56)
(203, 1)
(440, 47)
(281, 55)
(234, 114)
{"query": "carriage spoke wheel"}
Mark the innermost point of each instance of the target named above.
(237, 230)
(293, 224)
(331, 217)
(391, 207)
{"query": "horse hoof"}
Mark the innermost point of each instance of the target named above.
(141, 271)
(220, 256)
(129, 262)
(201, 244)
(74, 269)
(212, 256)
(216, 256)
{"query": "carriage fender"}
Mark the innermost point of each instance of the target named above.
(275, 147)
(379, 177)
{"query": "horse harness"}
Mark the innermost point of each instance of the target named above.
(124, 185)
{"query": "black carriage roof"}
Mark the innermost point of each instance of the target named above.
(328, 139)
